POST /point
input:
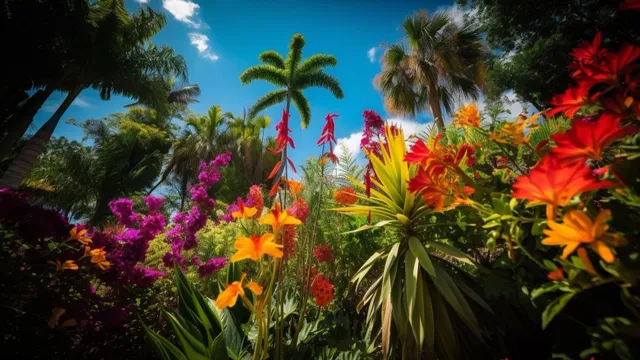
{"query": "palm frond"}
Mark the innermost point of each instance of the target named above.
(270, 99)
(264, 72)
(295, 54)
(302, 104)
(272, 58)
(319, 79)
(317, 62)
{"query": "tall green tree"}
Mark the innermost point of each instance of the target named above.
(249, 135)
(437, 64)
(204, 138)
(292, 76)
(118, 61)
(532, 40)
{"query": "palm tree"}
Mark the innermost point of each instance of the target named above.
(292, 76)
(439, 63)
(117, 62)
(204, 138)
(249, 134)
(177, 99)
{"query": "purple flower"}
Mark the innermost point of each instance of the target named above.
(142, 276)
(152, 225)
(222, 159)
(196, 220)
(170, 257)
(129, 236)
(153, 203)
(179, 218)
(123, 209)
(209, 175)
(211, 266)
(196, 260)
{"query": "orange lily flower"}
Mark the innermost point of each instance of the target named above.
(435, 184)
(243, 212)
(230, 295)
(67, 265)
(512, 133)
(276, 218)
(98, 257)
(295, 187)
(81, 235)
(577, 229)
(254, 247)
(555, 183)
(587, 140)
(467, 116)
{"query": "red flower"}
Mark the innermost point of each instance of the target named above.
(289, 248)
(630, 5)
(571, 100)
(555, 183)
(323, 253)
(328, 137)
(282, 140)
(613, 67)
(419, 153)
(586, 140)
(556, 275)
(345, 196)
(589, 52)
(322, 291)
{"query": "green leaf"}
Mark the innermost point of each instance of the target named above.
(193, 348)
(364, 269)
(412, 269)
(452, 251)
(232, 333)
(218, 349)
(555, 307)
(418, 250)
(163, 347)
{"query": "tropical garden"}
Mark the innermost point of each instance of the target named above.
(171, 234)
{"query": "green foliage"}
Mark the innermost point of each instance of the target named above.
(292, 75)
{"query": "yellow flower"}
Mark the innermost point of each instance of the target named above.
(276, 218)
(243, 211)
(230, 295)
(55, 318)
(80, 235)
(295, 187)
(467, 116)
(67, 265)
(254, 247)
(98, 257)
(577, 228)
(512, 133)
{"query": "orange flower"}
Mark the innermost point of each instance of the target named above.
(571, 100)
(276, 218)
(99, 257)
(295, 187)
(555, 183)
(345, 196)
(67, 265)
(439, 187)
(254, 247)
(467, 116)
(243, 211)
(81, 235)
(586, 140)
(55, 318)
(230, 295)
(577, 228)
(512, 133)
(556, 275)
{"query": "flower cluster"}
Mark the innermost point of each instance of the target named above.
(345, 195)
(467, 116)
(323, 253)
(186, 224)
(322, 290)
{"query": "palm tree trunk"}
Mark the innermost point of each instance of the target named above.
(436, 110)
(22, 119)
(26, 159)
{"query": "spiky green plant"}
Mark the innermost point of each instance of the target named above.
(292, 76)
(421, 298)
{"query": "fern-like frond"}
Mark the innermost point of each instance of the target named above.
(302, 104)
(267, 73)
(317, 62)
(271, 57)
(319, 79)
(268, 100)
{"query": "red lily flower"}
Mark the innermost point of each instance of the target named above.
(589, 52)
(613, 67)
(586, 140)
(283, 138)
(571, 100)
(419, 153)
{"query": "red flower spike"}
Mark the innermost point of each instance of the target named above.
(327, 135)
(587, 140)
(293, 167)
(571, 100)
(275, 170)
(283, 138)
(630, 5)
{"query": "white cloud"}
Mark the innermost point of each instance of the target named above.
(201, 42)
(143, 1)
(184, 11)
(511, 103)
(81, 101)
(352, 142)
(52, 106)
(457, 12)
(371, 54)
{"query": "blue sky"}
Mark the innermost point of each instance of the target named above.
(220, 39)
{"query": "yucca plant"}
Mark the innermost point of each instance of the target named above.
(421, 295)
(203, 332)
